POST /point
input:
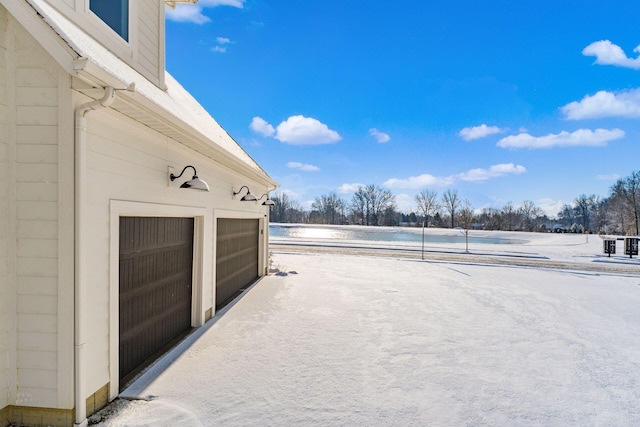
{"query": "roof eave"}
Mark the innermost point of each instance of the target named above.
(91, 72)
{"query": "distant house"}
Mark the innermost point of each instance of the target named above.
(104, 260)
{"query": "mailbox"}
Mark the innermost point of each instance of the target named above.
(609, 246)
(631, 246)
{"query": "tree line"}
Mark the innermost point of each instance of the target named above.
(618, 213)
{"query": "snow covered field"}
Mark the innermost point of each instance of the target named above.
(336, 339)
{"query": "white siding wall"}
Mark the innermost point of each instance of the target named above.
(36, 214)
(150, 49)
(145, 50)
(4, 216)
(127, 161)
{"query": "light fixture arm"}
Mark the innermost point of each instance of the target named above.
(195, 173)
(194, 183)
(235, 193)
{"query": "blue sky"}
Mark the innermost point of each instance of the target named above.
(504, 101)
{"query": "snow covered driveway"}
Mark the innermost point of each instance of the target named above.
(366, 341)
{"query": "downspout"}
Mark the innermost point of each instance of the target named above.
(80, 284)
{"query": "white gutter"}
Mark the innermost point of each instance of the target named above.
(80, 361)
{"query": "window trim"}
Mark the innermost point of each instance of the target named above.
(126, 39)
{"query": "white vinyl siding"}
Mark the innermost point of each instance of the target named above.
(120, 152)
(149, 55)
(36, 210)
(144, 51)
(4, 218)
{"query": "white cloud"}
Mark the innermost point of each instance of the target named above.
(495, 171)
(300, 130)
(381, 137)
(349, 188)
(607, 53)
(473, 175)
(478, 132)
(296, 130)
(261, 126)
(193, 12)
(303, 167)
(292, 194)
(405, 202)
(605, 104)
(610, 177)
(220, 47)
(214, 3)
(420, 181)
(549, 206)
(579, 138)
(187, 13)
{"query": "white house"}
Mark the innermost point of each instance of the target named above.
(104, 260)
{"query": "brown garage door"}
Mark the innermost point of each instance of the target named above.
(156, 264)
(236, 257)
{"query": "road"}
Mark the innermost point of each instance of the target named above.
(473, 257)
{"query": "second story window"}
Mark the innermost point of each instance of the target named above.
(115, 13)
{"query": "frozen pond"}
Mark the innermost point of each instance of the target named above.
(383, 234)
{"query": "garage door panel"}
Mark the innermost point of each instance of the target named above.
(236, 256)
(156, 264)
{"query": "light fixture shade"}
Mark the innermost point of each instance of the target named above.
(196, 184)
(267, 202)
(249, 197)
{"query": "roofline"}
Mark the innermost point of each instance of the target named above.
(49, 39)
(91, 73)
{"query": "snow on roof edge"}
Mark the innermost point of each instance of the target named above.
(176, 101)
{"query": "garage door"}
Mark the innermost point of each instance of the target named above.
(156, 264)
(236, 257)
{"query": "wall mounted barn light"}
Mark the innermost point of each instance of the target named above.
(194, 183)
(267, 202)
(247, 197)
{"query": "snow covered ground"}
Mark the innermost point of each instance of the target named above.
(336, 339)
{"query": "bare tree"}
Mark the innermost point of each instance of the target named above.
(466, 215)
(491, 219)
(427, 201)
(330, 208)
(286, 209)
(509, 214)
(529, 212)
(566, 216)
(360, 209)
(466, 221)
(584, 206)
(451, 202)
(369, 204)
(626, 192)
(380, 200)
